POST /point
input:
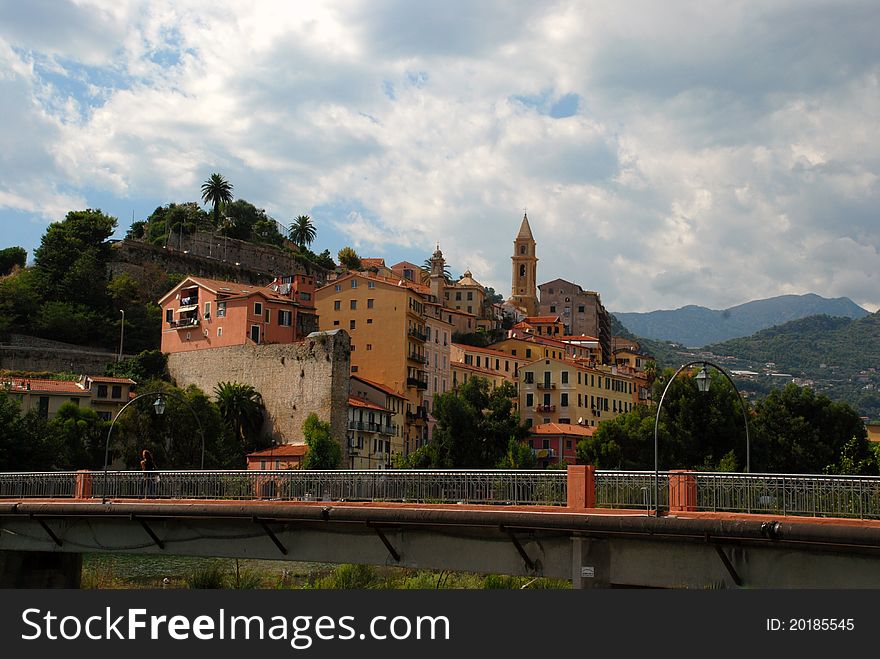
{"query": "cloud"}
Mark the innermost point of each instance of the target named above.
(705, 153)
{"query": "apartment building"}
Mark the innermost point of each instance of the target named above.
(567, 392)
(376, 424)
(202, 313)
(386, 319)
(104, 395)
(580, 311)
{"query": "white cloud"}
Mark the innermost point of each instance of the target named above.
(715, 147)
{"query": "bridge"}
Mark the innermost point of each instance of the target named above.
(596, 528)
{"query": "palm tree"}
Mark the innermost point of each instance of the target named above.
(426, 272)
(241, 407)
(302, 231)
(216, 190)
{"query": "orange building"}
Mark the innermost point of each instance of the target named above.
(386, 319)
(203, 313)
(283, 456)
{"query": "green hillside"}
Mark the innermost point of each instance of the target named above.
(840, 357)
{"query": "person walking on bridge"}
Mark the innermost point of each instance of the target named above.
(148, 466)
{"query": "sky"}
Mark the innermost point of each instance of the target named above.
(667, 153)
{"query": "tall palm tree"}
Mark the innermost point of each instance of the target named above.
(302, 231)
(216, 190)
(241, 407)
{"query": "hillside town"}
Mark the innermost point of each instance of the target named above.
(369, 348)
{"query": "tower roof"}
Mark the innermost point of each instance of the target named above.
(525, 231)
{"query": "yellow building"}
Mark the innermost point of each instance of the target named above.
(529, 347)
(104, 395)
(495, 362)
(386, 320)
(565, 392)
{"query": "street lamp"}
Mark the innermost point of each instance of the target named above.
(159, 409)
(121, 334)
(702, 379)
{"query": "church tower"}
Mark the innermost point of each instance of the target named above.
(437, 277)
(525, 270)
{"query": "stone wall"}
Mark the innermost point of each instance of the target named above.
(295, 379)
(209, 255)
(36, 355)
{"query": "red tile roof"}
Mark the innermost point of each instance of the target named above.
(40, 384)
(101, 378)
(379, 386)
(488, 351)
(563, 429)
(281, 451)
(373, 263)
(541, 319)
(354, 401)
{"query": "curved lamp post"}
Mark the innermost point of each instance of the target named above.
(159, 409)
(702, 379)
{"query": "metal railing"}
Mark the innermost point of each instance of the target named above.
(520, 487)
(773, 494)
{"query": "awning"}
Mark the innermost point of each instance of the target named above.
(191, 307)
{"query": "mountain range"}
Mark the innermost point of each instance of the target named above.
(696, 326)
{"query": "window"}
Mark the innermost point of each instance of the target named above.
(545, 443)
(371, 284)
(353, 305)
(530, 400)
(305, 297)
(580, 308)
(221, 309)
(116, 391)
(563, 400)
(102, 391)
(169, 315)
(369, 346)
(335, 323)
(267, 316)
(354, 283)
(75, 401)
(207, 309)
(564, 377)
(522, 249)
(522, 271)
(351, 324)
(338, 287)
(219, 330)
(44, 406)
(370, 302)
(285, 318)
(354, 369)
(470, 296)
(530, 377)
(104, 415)
(255, 333)
(337, 305)
(552, 308)
(458, 296)
(258, 308)
(528, 353)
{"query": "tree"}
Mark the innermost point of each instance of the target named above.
(302, 231)
(80, 435)
(241, 407)
(71, 261)
(493, 297)
(25, 441)
(10, 258)
(215, 191)
(426, 271)
(324, 452)
(148, 365)
(474, 427)
(349, 259)
(797, 431)
(518, 456)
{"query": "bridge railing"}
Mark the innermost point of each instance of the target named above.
(776, 494)
(516, 487)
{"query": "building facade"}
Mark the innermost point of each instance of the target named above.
(104, 395)
(580, 311)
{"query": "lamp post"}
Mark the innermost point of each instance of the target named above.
(159, 409)
(121, 334)
(703, 381)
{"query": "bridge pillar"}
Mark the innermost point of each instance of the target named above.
(83, 484)
(682, 491)
(590, 563)
(40, 569)
(581, 486)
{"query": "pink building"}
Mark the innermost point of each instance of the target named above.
(203, 313)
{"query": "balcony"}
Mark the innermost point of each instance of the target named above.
(544, 453)
(417, 358)
(546, 385)
(184, 323)
(545, 408)
(420, 413)
(419, 336)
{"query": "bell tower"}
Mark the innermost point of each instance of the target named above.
(525, 270)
